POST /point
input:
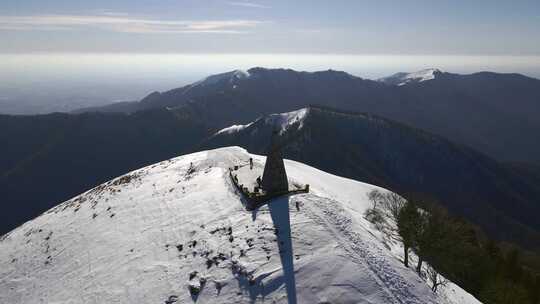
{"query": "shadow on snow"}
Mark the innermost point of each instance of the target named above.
(279, 212)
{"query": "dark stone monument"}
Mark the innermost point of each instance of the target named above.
(274, 182)
(274, 178)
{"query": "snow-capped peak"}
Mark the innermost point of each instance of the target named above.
(423, 75)
(283, 121)
(230, 77)
(403, 78)
(233, 129)
(280, 122)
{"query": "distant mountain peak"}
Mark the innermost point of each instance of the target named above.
(330, 73)
(230, 77)
(280, 121)
(403, 78)
(284, 121)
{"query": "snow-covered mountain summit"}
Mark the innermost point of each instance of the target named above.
(280, 122)
(402, 78)
(177, 232)
(229, 77)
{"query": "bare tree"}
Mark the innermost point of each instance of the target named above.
(389, 201)
(375, 197)
(384, 212)
(435, 279)
(393, 202)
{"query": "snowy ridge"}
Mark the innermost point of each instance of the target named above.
(233, 129)
(154, 233)
(281, 122)
(284, 121)
(400, 79)
(228, 76)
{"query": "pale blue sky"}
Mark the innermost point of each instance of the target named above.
(459, 27)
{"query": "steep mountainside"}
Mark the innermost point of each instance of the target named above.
(409, 161)
(51, 158)
(487, 111)
(177, 232)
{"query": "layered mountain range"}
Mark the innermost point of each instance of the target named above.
(487, 111)
(444, 137)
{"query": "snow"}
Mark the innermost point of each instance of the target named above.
(423, 75)
(284, 121)
(281, 122)
(147, 236)
(231, 78)
(233, 129)
(228, 76)
(401, 79)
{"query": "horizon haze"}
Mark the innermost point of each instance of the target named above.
(61, 82)
(58, 55)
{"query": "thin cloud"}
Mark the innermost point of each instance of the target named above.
(125, 24)
(114, 14)
(248, 4)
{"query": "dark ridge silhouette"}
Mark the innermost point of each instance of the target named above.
(51, 158)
